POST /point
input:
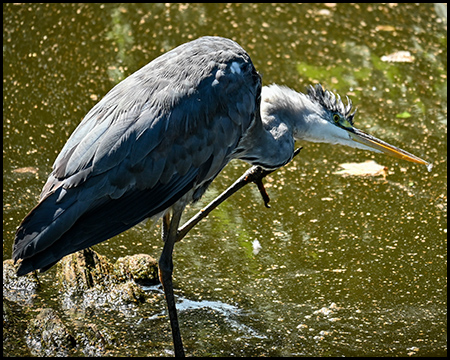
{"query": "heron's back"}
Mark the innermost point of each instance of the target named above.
(164, 132)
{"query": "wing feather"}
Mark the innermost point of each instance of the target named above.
(167, 129)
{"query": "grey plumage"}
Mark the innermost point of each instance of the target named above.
(165, 130)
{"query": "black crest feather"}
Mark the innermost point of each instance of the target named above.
(331, 101)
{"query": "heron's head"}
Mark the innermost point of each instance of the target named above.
(333, 123)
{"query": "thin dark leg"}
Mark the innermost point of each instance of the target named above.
(255, 174)
(165, 274)
(165, 226)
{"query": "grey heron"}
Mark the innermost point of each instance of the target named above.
(158, 139)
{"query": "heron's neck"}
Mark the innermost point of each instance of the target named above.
(269, 142)
(286, 115)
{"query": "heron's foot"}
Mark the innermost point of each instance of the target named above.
(257, 174)
(263, 192)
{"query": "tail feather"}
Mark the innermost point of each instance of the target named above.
(34, 233)
(62, 224)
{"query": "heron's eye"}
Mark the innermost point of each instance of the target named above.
(336, 118)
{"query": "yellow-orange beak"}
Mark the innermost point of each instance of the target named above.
(381, 146)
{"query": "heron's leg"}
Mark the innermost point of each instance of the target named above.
(255, 174)
(169, 235)
(165, 226)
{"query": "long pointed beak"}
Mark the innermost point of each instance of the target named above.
(381, 146)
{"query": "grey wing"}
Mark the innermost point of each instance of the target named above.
(165, 130)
